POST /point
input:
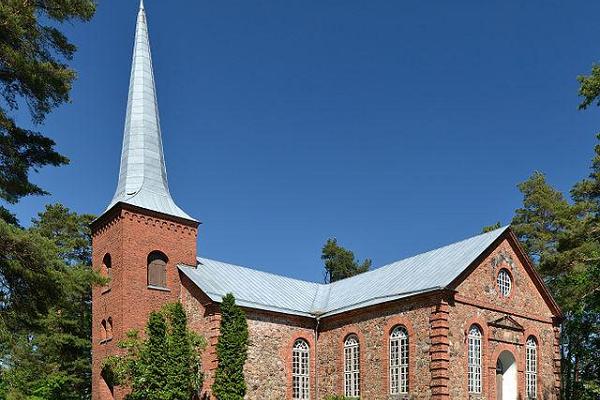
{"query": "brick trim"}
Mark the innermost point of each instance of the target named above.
(439, 328)
(485, 355)
(557, 360)
(346, 331)
(287, 358)
(390, 324)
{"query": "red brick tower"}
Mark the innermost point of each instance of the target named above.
(142, 236)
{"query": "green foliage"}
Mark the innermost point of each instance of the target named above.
(561, 236)
(45, 317)
(589, 87)
(490, 228)
(163, 366)
(33, 71)
(232, 348)
(340, 262)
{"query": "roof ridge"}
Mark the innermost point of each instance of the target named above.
(389, 265)
(329, 285)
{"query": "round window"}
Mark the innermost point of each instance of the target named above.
(504, 282)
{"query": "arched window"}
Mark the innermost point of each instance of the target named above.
(109, 328)
(106, 269)
(351, 367)
(399, 360)
(157, 269)
(531, 367)
(103, 330)
(504, 282)
(474, 342)
(301, 370)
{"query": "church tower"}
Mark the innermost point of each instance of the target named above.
(143, 235)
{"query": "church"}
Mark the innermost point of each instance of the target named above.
(470, 320)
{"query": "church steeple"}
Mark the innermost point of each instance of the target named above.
(143, 175)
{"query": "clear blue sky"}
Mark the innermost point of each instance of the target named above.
(395, 126)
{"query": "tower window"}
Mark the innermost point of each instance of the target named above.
(103, 331)
(157, 269)
(106, 269)
(109, 328)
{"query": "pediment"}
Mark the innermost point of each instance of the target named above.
(507, 322)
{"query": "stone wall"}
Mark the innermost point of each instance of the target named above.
(506, 324)
(373, 326)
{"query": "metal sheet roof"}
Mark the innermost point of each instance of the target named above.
(424, 272)
(143, 175)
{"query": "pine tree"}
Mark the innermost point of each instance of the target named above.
(340, 263)
(232, 348)
(46, 349)
(33, 73)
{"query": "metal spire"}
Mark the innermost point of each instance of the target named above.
(143, 176)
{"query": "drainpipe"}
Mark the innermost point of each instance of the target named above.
(316, 336)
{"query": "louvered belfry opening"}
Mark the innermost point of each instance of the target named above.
(157, 269)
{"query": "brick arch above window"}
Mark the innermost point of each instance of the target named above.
(157, 269)
(389, 327)
(486, 364)
(522, 362)
(287, 356)
(344, 333)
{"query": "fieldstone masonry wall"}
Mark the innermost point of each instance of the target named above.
(437, 323)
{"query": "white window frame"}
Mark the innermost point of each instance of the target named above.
(531, 367)
(399, 360)
(504, 282)
(475, 359)
(351, 366)
(301, 370)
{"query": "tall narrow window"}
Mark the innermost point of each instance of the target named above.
(474, 340)
(103, 330)
(351, 367)
(109, 328)
(300, 370)
(106, 269)
(157, 269)
(531, 368)
(399, 360)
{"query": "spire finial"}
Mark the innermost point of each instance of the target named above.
(143, 175)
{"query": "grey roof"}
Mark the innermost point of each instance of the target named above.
(143, 175)
(429, 271)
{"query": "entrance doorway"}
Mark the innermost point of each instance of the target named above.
(506, 377)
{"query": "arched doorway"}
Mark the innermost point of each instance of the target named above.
(506, 376)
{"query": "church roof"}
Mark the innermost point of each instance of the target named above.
(143, 175)
(422, 273)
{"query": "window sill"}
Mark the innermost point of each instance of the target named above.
(105, 290)
(104, 341)
(159, 288)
